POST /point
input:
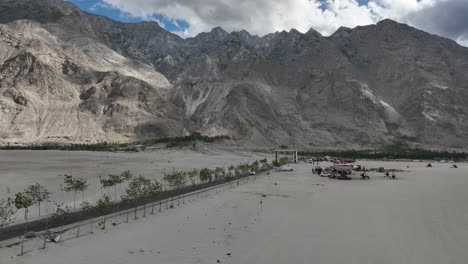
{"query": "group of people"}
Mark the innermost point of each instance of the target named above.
(387, 175)
(364, 175)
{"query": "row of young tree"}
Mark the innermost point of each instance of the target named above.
(33, 194)
(137, 189)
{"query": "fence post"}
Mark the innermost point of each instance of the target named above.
(91, 225)
(160, 205)
(25, 230)
(135, 211)
(104, 225)
(167, 204)
(178, 200)
(78, 232)
(46, 232)
(144, 210)
(152, 208)
(127, 216)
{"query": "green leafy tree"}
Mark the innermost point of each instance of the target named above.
(255, 166)
(219, 173)
(237, 172)
(106, 184)
(23, 201)
(243, 169)
(126, 176)
(231, 171)
(81, 185)
(86, 206)
(39, 194)
(61, 215)
(115, 180)
(75, 185)
(7, 212)
(141, 188)
(103, 206)
(192, 175)
(206, 175)
(176, 180)
(69, 186)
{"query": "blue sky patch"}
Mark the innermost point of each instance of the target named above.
(101, 8)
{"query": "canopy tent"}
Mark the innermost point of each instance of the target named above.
(343, 167)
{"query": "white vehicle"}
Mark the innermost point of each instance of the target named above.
(285, 168)
(325, 174)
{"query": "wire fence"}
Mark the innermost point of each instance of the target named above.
(39, 240)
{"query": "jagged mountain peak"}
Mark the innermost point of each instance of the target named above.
(219, 31)
(342, 31)
(245, 33)
(389, 22)
(295, 31)
(216, 34)
(313, 32)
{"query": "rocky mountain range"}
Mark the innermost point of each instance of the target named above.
(70, 76)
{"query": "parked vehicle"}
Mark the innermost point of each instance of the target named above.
(285, 168)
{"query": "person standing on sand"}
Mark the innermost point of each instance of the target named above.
(261, 207)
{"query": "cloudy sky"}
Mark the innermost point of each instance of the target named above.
(448, 18)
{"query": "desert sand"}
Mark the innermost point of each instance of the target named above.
(22, 168)
(297, 217)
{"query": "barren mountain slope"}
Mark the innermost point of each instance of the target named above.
(364, 86)
(423, 77)
(75, 89)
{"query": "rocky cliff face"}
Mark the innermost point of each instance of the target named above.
(69, 74)
(56, 89)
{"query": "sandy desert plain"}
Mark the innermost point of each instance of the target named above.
(22, 168)
(284, 217)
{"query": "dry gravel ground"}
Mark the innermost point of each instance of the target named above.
(21, 168)
(420, 218)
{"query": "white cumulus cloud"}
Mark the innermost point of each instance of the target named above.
(265, 16)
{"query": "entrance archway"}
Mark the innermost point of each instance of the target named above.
(286, 151)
